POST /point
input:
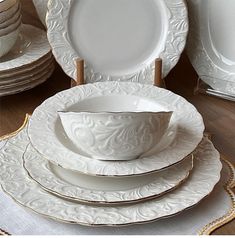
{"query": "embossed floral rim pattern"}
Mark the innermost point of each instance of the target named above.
(39, 170)
(208, 229)
(57, 22)
(29, 194)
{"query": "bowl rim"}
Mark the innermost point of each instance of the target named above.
(115, 112)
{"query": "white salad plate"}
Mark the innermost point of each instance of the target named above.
(211, 47)
(41, 8)
(85, 188)
(30, 78)
(37, 80)
(18, 78)
(30, 47)
(48, 137)
(17, 184)
(118, 39)
(29, 67)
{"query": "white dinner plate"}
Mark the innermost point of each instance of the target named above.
(41, 8)
(183, 135)
(28, 49)
(16, 183)
(211, 47)
(118, 39)
(89, 189)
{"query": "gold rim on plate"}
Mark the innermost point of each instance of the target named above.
(207, 229)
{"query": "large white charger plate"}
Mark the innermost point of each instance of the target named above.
(118, 39)
(48, 137)
(37, 47)
(102, 190)
(16, 183)
(210, 46)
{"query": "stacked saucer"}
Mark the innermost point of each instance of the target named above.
(61, 175)
(10, 21)
(28, 64)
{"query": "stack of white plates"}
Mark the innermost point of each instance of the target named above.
(28, 64)
(55, 178)
(64, 179)
(10, 21)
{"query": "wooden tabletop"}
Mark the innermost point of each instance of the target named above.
(218, 114)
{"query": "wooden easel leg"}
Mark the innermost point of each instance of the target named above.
(158, 80)
(80, 73)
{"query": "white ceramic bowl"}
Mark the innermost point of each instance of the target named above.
(7, 30)
(115, 135)
(7, 14)
(8, 41)
(6, 4)
(11, 20)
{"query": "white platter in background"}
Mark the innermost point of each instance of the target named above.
(29, 194)
(183, 135)
(119, 40)
(89, 189)
(210, 46)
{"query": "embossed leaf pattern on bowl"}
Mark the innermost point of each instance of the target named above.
(115, 136)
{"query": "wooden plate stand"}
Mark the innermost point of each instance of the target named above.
(158, 80)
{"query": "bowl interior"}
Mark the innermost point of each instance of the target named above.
(115, 103)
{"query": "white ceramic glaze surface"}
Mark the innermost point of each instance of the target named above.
(9, 13)
(29, 85)
(34, 66)
(37, 48)
(7, 30)
(26, 79)
(41, 7)
(11, 20)
(115, 135)
(211, 47)
(87, 188)
(118, 39)
(7, 42)
(6, 4)
(184, 134)
(16, 183)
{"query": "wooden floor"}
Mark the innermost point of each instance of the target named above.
(218, 114)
